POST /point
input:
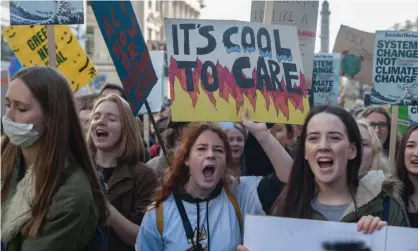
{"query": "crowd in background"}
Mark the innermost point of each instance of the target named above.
(77, 174)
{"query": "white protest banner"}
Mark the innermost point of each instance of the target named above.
(326, 74)
(219, 68)
(395, 68)
(303, 15)
(401, 238)
(155, 98)
(413, 115)
(356, 49)
(275, 233)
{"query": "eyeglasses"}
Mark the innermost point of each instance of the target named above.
(381, 125)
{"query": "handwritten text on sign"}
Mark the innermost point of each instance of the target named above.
(30, 45)
(255, 66)
(124, 40)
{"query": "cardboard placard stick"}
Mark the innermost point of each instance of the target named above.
(268, 12)
(52, 58)
(393, 133)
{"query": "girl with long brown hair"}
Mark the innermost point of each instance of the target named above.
(117, 148)
(327, 163)
(201, 203)
(50, 195)
(324, 182)
(407, 171)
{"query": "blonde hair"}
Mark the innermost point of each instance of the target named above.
(379, 161)
(131, 148)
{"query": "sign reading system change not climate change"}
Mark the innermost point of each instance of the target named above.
(395, 73)
(219, 68)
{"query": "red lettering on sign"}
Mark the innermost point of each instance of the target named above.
(121, 55)
(122, 4)
(133, 53)
(122, 37)
(134, 31)
(115, 23)
(109, 28)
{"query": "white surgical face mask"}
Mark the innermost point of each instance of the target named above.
(22, 135)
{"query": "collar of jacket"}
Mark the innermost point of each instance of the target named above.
(121, 180)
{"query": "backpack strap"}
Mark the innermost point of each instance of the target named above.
(235, 204)
(160, 219)
(386, 207)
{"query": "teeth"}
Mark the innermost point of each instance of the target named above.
(324, 159)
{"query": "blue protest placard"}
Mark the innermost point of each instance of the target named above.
(326, 78)
(395, 68)
(126, 45)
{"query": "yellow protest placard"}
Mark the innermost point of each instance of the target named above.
(30, 45)
(220, 68)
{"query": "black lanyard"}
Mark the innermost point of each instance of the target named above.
(187, 225)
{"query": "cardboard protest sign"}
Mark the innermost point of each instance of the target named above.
(4, 85)
(395, 74)
(30, 45)
(356, 48)
(277, 233)
(24, 12)
(401, 238)
(219, 68)
(303, 15)
(326, 74)
(155, 98)
(126, 45)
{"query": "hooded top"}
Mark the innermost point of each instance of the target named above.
(214, 220)
(373, 188)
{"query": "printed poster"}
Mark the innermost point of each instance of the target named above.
(126, 45)
(155, 98)
(47, 12)
(413, 115)
(303, 15)
(356, 48)
(219, 68)
(276, 233)
(403, 117)
(326, 74)
(395, 73)
(30, 45)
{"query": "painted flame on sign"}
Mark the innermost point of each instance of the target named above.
(228, 87)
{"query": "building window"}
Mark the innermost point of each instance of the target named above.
(150, 34)
(149, 4)
(159, 6)
(6, 51)
(90, 40)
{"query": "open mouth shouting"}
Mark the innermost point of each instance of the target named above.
(209, 171)
(102, 134)
(414, 162)
(325, 163)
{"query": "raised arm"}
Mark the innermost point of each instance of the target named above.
(279, 158)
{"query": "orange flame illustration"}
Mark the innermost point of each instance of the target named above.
(228, 87)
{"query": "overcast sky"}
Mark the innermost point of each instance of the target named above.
(366, 15)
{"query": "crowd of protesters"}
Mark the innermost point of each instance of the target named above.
(76, 173)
